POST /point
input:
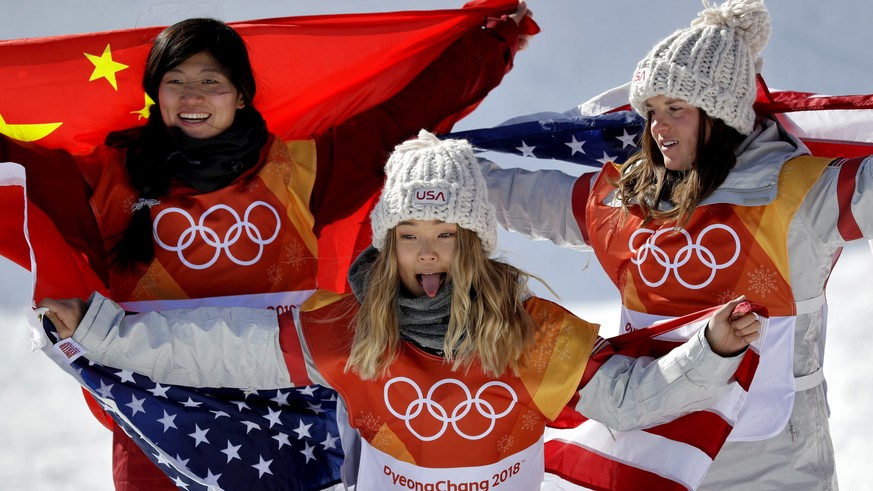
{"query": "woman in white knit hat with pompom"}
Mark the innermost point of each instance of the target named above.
(717, 203)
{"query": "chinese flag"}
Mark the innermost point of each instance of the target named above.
(312, 73)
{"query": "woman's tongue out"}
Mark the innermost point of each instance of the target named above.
(431, 283)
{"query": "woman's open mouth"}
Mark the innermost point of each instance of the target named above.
(431, 282)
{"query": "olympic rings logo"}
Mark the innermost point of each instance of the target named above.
(672, 265)
(213, 239)
(450, 416)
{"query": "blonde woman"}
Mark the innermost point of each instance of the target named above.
(448, 369)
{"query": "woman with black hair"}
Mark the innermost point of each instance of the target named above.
(202, 205)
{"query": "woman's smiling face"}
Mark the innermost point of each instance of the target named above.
(198, 98)
(675, 126)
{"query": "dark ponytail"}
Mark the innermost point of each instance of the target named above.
(150, 174)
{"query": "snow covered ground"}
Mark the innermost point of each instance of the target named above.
(52, 443)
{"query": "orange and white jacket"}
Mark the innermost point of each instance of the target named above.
(773, 231)
(423, 422)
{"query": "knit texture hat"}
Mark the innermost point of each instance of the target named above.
(711, 64)
(432, 179)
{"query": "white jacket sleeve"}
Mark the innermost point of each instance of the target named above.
(632, 393)
(205, 347)
(537, 204)
(839, 194)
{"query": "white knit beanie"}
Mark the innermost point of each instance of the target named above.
(432, 179)
(711, 65)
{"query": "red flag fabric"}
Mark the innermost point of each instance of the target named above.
(584, 454)
(66, 272)
(313, 73)
(831, 126)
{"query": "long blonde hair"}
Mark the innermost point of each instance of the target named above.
(487, 319)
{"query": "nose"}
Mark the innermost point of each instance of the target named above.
(658, 123)
(427, 251)
(190, 92)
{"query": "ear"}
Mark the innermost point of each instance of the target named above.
(240, 103)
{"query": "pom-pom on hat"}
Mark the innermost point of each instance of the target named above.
(432, 179)
(711, 65)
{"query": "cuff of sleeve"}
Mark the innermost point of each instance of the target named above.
(709, 366)
(102, 315)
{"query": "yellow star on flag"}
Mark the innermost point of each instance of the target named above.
(105, 67)
(144, 112)
(27, 132)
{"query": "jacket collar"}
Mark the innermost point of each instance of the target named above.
(753, 180)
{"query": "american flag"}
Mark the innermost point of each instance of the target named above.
(218, 439)
(605, 128)
(577, 138)
(582, 454)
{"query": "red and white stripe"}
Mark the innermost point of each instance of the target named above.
(584, 454)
